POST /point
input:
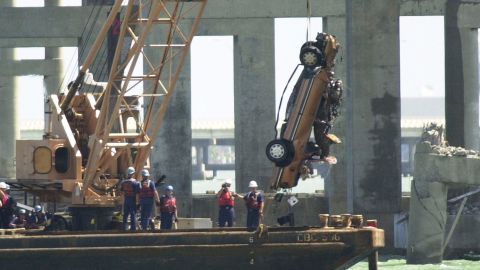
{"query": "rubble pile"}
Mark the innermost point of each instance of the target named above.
(433, 135)
(454, 151)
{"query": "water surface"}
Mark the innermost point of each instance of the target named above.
(400, 264)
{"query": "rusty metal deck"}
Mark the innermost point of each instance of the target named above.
(235, 248)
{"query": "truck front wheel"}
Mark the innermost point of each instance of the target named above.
(280, 152)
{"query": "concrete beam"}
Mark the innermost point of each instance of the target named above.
(68, 22)
(38, 42)
(30, 67)
(455, 171)
(468, 10)
(46, 22)
(234, 9)
(422, 8)
(468, 14)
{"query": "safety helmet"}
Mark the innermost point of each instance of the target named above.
(22, 211)
(130, 170)
(252, 184)
(228, 182)
(145, 172)
(8, 187)
(3, 185)
(38, 208)
(169, 187)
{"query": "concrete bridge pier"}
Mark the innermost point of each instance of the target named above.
(434, 174)
(372, 140)
(461, 76)
(428, 217)
(9, 111)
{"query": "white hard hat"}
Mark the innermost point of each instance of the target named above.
(38, 208)
(252, 184)
(3, 185)
(22, 211)
(145, 172)
(130, 170)
(8, 187)
(228, 182)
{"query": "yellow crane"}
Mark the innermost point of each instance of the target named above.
(92, 139)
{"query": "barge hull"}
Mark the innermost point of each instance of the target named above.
(297, 248)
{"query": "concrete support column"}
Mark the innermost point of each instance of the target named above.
(172, 155)
(9, 110)
(428, 209)
(97, 2)
(461, 80)
(254, 94)
(53, 83)
(7, 3)
(336, 184)
(53, 3)
(373, 114)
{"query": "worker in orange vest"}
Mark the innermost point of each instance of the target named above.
(254, 201)
(168, 209)
(148, 193)
(226, 202)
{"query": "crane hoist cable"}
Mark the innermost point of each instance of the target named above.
(309, 16)
(84, 38)
(97, 66)
(71, 62)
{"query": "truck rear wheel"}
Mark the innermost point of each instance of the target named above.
(310, 56)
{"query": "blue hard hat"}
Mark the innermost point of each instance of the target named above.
(169, 187)
(145, 172)
(38, 208)
(130, 170)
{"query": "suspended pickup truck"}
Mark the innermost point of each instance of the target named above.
(314, 102)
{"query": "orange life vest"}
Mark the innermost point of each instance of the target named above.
(146, 191)
(128, 188)
(252, 200)
(168, 204)
(225, 199)
(5, 201)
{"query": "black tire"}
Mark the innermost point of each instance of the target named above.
(280, 152)
(58, 223)
(310, 56)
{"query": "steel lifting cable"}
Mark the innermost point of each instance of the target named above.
(84, 37)
(72, 57)
(97, 66)
(89, 35)
(309, 15)
(102, 69)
